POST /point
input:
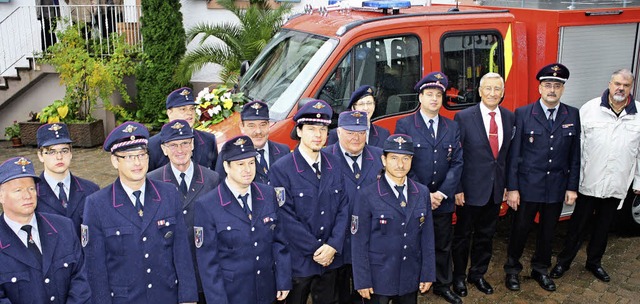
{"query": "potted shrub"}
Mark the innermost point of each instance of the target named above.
(12, 133)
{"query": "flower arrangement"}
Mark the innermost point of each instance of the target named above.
(12, 131)
(213, 106)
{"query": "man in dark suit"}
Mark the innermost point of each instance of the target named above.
(255, 124)
(182, 105)
(59, 191)
(437, 163)
(543, 172)
(242, 252)
(392, 219)
(41, 259)
(192, 180)
(486, 131)
(134, 233)
(361, 166)
(362, 100)
(315, 209)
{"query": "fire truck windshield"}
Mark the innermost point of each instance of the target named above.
(284, 70)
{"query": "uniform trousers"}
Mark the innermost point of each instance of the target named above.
(477, 223)
(321, 287)
(410, 298)
(598, 213)
(443, 233)
(347, 294)
(523, 220)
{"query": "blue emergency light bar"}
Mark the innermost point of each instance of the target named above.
(387, 4)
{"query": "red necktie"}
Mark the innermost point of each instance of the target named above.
(493, 134)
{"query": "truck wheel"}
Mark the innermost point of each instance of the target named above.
(629, 215)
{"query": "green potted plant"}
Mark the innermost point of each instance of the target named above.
(12, 133)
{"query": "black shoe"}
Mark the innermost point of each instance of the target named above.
(544, 280)
(512, 282)
(558, 271)
(448, 295)
(482, 285)
(460, 288)
(599, 273)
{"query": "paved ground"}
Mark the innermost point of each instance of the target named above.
(622, 259)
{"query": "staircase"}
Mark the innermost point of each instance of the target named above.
(13, 86)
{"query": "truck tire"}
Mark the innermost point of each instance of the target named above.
(629, 216)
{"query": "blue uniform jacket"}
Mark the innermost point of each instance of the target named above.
(203, 181)
(241, 260)
(48, 200)
(371, 168)
(544, 162)
(393, 249)
(437, 163)
(134, 260)
(205, 151)
(276, 151)
(482, 174)
(62, 278)
(377, 136)
(315, 210)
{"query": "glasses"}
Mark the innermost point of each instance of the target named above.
(181, 145)
(555, 86)
(364, 103)
(491, 89)
(185, 109)
(63, 152)
(133, 157)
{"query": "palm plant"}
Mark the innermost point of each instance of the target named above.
(238, 41)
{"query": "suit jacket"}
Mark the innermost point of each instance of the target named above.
(437, 163)
(62, 277)
(315, 211)
(241, 260)
(482, 174)
(205, 151)
(138, 260)
(544, 162)
(371, 167)
(48, 200)
(377, 136)
(393, 247)
(276, 151)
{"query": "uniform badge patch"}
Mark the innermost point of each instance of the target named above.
(84, 237)
(354, 224)
(198, 234)
(280, 195)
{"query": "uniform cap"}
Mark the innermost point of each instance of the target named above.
(126, 136)
(238, 148)
(175, 130)
(180, 97)
(361, 92)
(553, 72)
(398, 143)
(17, 167)
(314, 112)
(433, 80)
(353, 121)
(53, 134)
(255, 110)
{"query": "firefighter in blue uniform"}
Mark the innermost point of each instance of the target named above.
(59, 191)
(543, 172)
(191, 179)
(255, 124)
(437, 164)
(361, 166)
(362, 100)
(181, 105)
(240, 244)
(392, 230)
(133, 232)
(41, 259)
(315, 210)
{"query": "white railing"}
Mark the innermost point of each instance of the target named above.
(26, 32)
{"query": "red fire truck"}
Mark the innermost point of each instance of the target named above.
(325, 53)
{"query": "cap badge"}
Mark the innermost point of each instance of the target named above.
(240, 142)
(177, 126)
(55, 127)
(22, 162)
(129, 129)
(256, 106)
(369, 90)
(185, 93)
(438, 76)
(400, 140)
(318, 106)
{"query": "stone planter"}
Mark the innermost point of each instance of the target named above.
(84, 135)
(28, 131)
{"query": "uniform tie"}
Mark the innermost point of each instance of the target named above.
(263, 162)
(245, 204)
(493, 135)
(316, 166)
(139, 207)
(355, 167)
(550, 118)
(183, 184)
(62, 195)
(31, 244)
(430, 128)
(401, 198)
